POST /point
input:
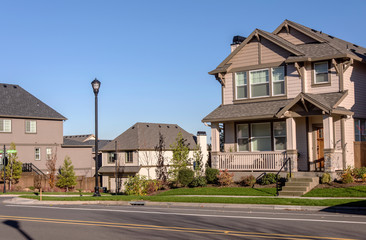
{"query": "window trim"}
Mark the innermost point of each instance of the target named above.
(4, 119)
(261, 137)
(281, 136)
(277, 81)
(109, 155)
(39, 154)
(313, 75)
(237, 137)
(48, 156)
(244, 85)
(269, 81)
(30, 121)
(129, 159)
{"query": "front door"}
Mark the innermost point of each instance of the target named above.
(319, 149)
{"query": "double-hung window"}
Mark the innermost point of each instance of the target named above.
(30, 126)
(111, 157)
(49, 153)
(279, 135)
(129, 157)
(243, 137)
(360, 130)
(37, 154)
(259, 83)
(321, 72)
(261, 137)
(278, 81)
(241, 85)
(5, 125)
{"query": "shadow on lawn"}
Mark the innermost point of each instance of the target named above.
(357, 207)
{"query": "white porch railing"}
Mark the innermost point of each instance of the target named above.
(260, 161)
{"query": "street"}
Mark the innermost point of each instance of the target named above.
(168, 222)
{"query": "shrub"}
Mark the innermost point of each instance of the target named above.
(136, 185)
(359, 172)
(267, 179)
(185, 176)
(225, 178)
(347, 176)
(152, 186)
(325, 178)
(247, 180)
(211, 175)
(198, 182)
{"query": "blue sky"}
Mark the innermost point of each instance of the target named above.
(152, 57)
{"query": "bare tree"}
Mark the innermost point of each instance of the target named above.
(161, 170)
(51, 167)
(147, 162)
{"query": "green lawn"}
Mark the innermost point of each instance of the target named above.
(357, 191)
(229, 191)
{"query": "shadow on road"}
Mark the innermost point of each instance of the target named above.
(357, 207)
(16, 225)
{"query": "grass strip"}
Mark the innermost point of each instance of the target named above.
(269, 201)
(230, 191)
(357, 191)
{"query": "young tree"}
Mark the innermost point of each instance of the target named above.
(180, 158)
(51, 167)
(198, 161)
(14, 167)
(161, 171)
(66, 176)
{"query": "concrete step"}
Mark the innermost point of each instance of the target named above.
(295, 188)
(298, 186)
(303, 179)
(291, 193)
(293, 184)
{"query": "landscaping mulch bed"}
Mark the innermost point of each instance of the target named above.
(340, 185)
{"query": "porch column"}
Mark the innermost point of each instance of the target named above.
(215, 145)
(328, 143)
(291, 142)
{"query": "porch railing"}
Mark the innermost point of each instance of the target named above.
(261, 161)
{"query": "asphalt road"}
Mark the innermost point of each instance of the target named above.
(143, 222)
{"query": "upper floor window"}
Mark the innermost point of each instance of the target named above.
(241, 85)
(5, 125)
(30, 126)
(360, 130)
(111, 157)
(321, 72)
(129, 157)
(278, 81)
(259, 83)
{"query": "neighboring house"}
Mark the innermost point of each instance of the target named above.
(136, 151)
(296, 92)
(37, 131)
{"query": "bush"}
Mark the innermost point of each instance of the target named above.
(359, 172)
(225, 178)
(325, 178)
(211, 175)
(247, 180)
(152, 186)
(347, 177)
(267, 179)
(198, 182)
(136, 185)
(185, 176)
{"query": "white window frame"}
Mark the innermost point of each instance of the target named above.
(261, 137)
(277, 81)
(49, 153)
(32, 124)
(237, 138)
(129, 159)
(111, 158)
(6, 125)
(251, 84)
(281, 136)
(37, 156)
(327, 71)
(244, 85)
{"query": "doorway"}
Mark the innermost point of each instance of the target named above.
(319, 161)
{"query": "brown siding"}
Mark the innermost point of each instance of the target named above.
(228, 92)
(230, 137)
(349, 85)
(271, 52)
(295, 37)
(301, 143)
(247, 56)
(358, 78)
(360, 154)
(319, 88)
(293, 82)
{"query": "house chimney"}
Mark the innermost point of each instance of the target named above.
(202, 141)
(237, 40)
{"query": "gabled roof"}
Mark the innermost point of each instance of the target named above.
(17, 102)
(80, 138)
(145, 136)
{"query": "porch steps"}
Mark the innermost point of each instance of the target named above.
(298, 186)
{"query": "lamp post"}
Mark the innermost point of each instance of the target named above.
(96, 85)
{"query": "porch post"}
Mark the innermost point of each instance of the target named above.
(215, 145)
(291, 142)
(328, 143)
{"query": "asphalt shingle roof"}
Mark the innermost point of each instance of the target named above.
(17, 102)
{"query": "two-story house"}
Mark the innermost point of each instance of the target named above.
(37, 131)
(296, 92)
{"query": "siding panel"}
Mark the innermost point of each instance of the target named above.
(247, 56)
(301, 143)
(228, 94)
(271, 52)
(293, 82)
(334, 80)
(295, 37)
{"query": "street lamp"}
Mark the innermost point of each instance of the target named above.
(96, 85)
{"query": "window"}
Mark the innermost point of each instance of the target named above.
(360, 130)
(279, 135)
(30, 126)
(243, 137)
(129, 157)
(321, 72)
(241, 85)
(261, 137)
(278, 81)
(111, 157)
(259, 83)
(49, 153)
(5, 125)
(37, 154)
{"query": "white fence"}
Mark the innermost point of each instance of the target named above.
(263, 161)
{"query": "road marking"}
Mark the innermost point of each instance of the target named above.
(165, 228)
(194, 214)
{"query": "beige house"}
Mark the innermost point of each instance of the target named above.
(133, 152)
(295, 92)
(37, 131)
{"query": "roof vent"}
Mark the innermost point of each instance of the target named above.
(355, 45)
(14, 86)
(5, 86)
(330, 36)
(238, 39)
(159, 126)
(201, 133)
(133, 127)
(167, 126)
(313, 30)
(147, 125)
(176, 126)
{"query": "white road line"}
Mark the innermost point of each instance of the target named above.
(192, 214)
